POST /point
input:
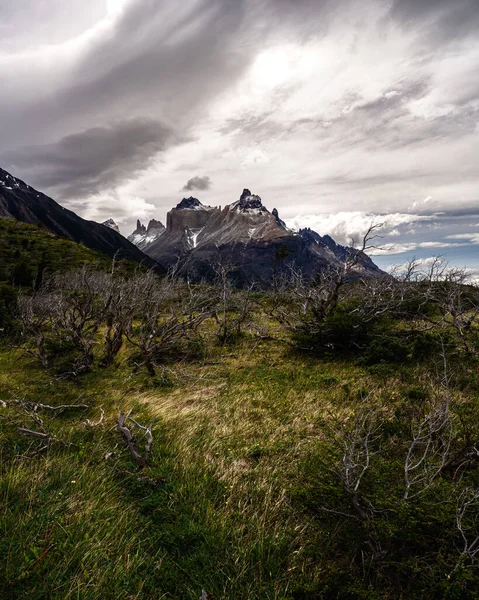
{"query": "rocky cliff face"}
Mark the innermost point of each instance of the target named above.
(20, 202)
(245, 235)
(189, 214)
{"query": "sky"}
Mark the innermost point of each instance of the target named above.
(336, 112)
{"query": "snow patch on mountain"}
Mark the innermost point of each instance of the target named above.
(111, 224)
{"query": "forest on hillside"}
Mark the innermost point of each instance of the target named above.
(167, 440)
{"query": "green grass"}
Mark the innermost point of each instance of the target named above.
(243, 464)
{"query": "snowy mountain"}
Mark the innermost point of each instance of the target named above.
(145, 236)
(245, 235)
(111, 224)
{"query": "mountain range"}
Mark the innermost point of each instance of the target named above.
(254, 242)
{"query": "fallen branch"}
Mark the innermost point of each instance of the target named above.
(90, 425)
(130, 441)
(148, 435)
(35, 406)
(38, 434)
(45, 438)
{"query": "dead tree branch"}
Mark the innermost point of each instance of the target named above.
(467, 521)
(132, 444)
(91, 425)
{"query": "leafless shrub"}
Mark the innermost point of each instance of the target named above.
(449, 290)
(77, 312)
(429, 449)
(300, 302)
(35, 316)
(358, 450)
(467, 521)
(232, 307)
(163, 313)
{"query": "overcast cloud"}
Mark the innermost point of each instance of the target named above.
(335, 111)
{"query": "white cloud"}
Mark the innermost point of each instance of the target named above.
(471, 238)
(118, 206)
(344, 226)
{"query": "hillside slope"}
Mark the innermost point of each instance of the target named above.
(20, 202)
(28, 251)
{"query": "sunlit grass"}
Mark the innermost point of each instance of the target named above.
(230, 500)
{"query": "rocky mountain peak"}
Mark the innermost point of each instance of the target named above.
(111, 224)
(155, 225)
(140, 228)
(249, 201)
(189, 204)
(244, 234)
(311, 236)
(279, 221)
(9, 182)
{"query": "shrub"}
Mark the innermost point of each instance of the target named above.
(385, 350)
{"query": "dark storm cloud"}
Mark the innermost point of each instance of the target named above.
(160, 61)
(95, 159)
(198, 183)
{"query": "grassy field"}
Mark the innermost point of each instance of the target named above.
(241, 497)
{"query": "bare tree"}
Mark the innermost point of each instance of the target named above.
(356, 460)
(232, 306)
(449, 290)
(304, 303)
(77, 312)
(118, 302)
(164, 314)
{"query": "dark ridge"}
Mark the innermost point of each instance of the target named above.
(20, 202)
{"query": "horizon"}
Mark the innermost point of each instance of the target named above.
(335, 113)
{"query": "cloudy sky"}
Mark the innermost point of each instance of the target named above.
(333, 111)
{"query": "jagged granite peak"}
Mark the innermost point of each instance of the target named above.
(140, 228)
(21, 202)
(144, 236)
(279, 221)
(155, 225)
(342, 253)
(111, 224)
(309, 234)
(249, 201)
(189, 214)
(190, 204)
